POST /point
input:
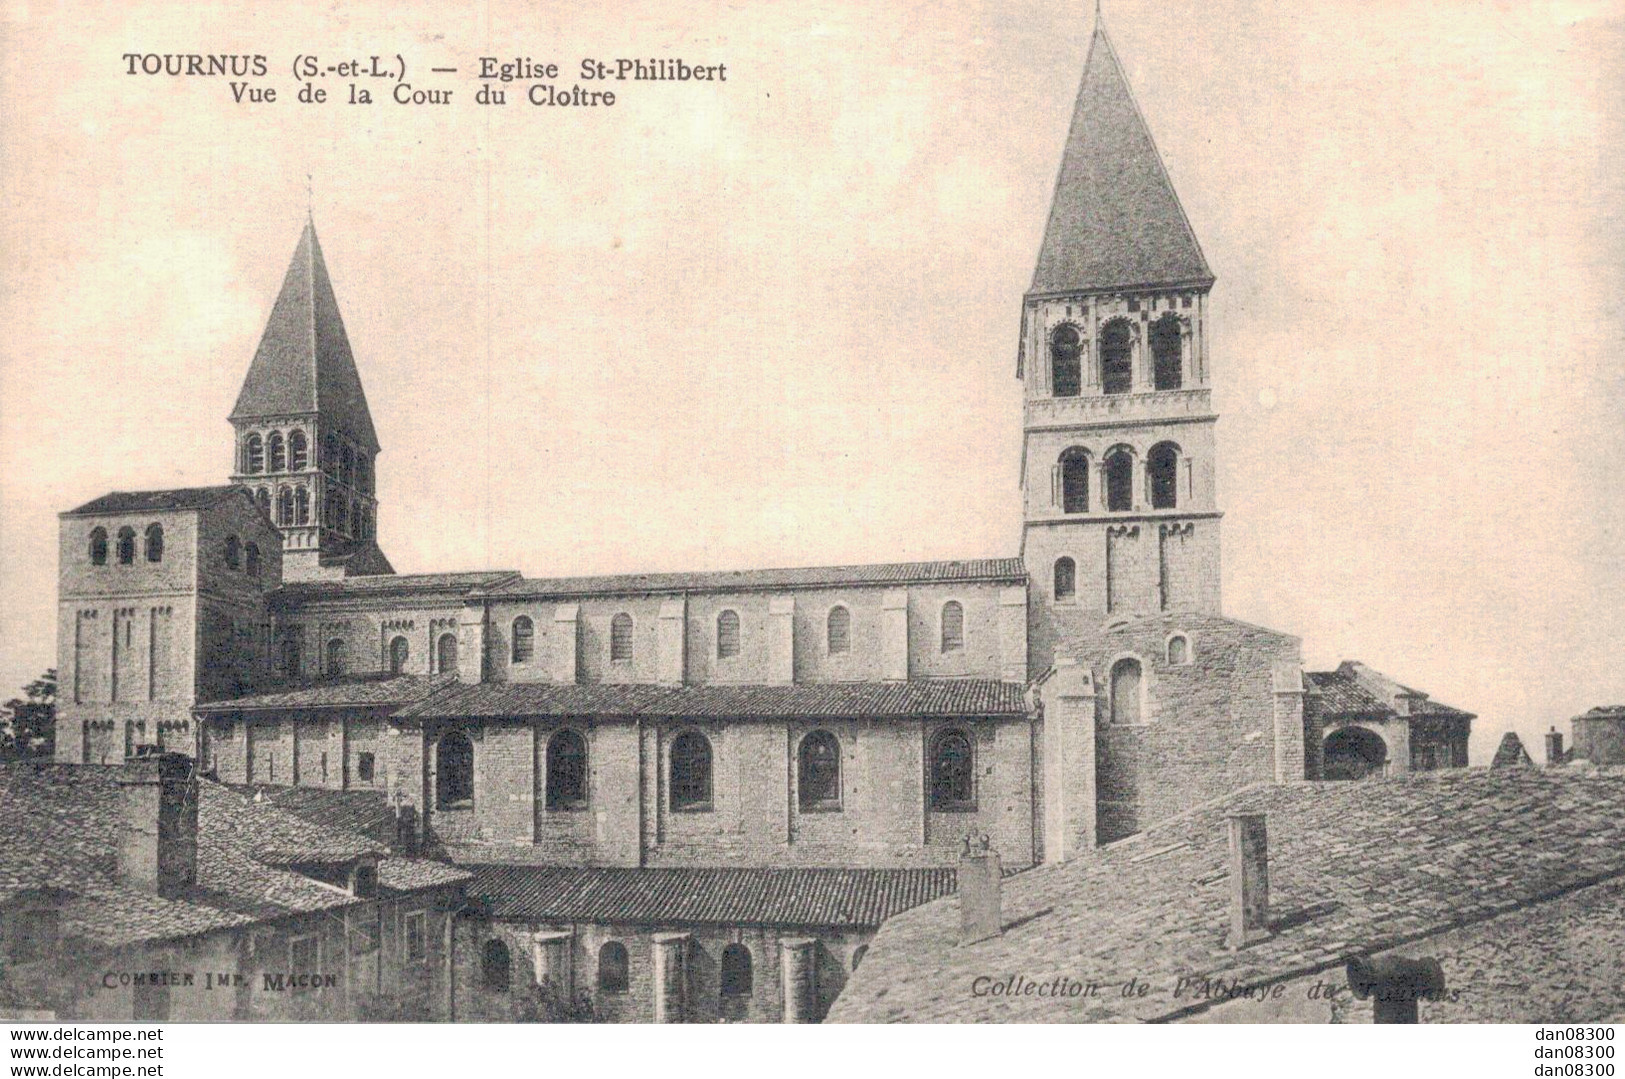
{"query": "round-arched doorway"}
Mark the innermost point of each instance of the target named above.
(1353, 753)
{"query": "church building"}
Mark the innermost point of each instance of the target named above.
(697, 795)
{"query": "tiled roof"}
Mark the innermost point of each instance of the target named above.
(348, 691)
(63, 831)
(393, 584)
(918, 697)
(180, 498)
(1115, 220)
(778, 897)
(495, 700)
(1355, 868)
(1010, 570)
(303, 363)
(1342, 694)
(362, 813)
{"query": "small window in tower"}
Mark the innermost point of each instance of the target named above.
(298, 451)
(251, 558)
(233, 552)
(341, 510)
(839, 631)
(277, 452)
(1166, 337)
(524, 639)
(953, 626)
(620, 639)
(253, 454)
(347, 465)
(1163, 464)
(284, 506)
(335, 657)
(1179, 650)
(1120, 481)
(262, 499)
(155, 542)
(301, 506)
(363, 473)
(1066, 362)
(727, 635)
(126, 546)
(446, 654)
(330, 454)
(98, 546)
(1075, 481)
(1066, 579)
(1116, 358)
(355, 520)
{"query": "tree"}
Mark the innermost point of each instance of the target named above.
(28, 723)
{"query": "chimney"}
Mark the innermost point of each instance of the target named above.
(981, 884)
(1554, 747)
(1249, 879)
(158, 836)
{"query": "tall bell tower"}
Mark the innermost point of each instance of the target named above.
(305, 444)
(1121, 520)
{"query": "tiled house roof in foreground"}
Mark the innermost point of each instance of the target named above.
(358, 812)
(63, 826)
(916, 697)
(1354, 868)
(760, 897)
(1343, 693)
(348, 691)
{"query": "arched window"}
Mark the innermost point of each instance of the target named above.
(1353, 753)
(298, 451)
(953, 771)
(838, 633)
(691, 771)
(363, 474)
(496, 966)
(253, 454)
(953, 626)
(727, 634)
(399, 649)
(251, 558)
(1165, 353)
(155, 543)
(1179, 650)
(1120, 481)
(1117, 358)
(341, 514)
(620, 639)
(445, 654)
(1066, 578)
(355, 521)
(234, 552)
(290, 656)
(566, 770)
(1163, 465)
(347, 466)
(301, 504)
(454, 772)
(524, 639)
(736, 972)
(1126, 691)
(277, 451)
(1066, 362)
(262, 499)
(335, 657)
(612, 968)
(284, 506)
(1075, 481)
(330, 454)
(365, 525)
(819, 771)
(126, 546)
(98, 546)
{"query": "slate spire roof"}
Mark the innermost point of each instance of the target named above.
(1115, 220)
(304, 363)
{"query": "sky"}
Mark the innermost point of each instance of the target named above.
(773, 321)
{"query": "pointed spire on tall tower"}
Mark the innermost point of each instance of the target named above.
(1115, 221)
(306, 446)
(303, 363)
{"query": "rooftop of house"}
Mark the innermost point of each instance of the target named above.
(1354, 689)
(63, 829)
(832, 898)
(165, 501)
(1354, 868)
